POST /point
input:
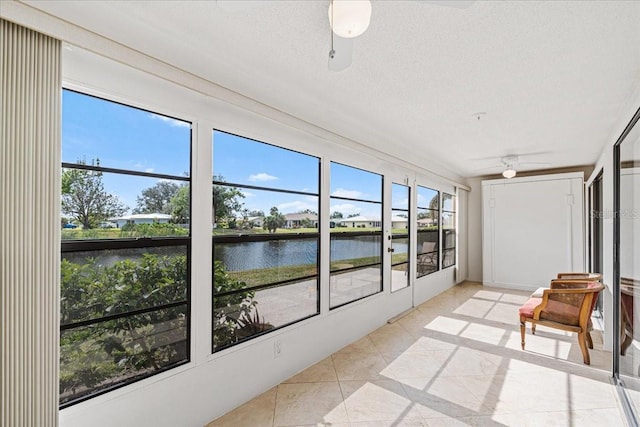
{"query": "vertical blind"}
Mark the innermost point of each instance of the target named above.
(29, 225)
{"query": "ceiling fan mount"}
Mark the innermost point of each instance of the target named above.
(510, 160)
(509, 164)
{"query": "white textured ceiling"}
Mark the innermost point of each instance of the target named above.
(552, 77)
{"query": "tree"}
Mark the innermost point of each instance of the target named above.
(309, 211)
(246, 223)
(84, 198)
(353, 215)
(336, 215)
(226, 203)
(157, 198)
(433, 205)
(179, 205)
(307, 223)
(274, 221)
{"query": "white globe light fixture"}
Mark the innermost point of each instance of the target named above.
(349, 18)
(509, 173)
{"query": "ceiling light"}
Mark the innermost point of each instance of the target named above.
(349, 18)
(509, 173)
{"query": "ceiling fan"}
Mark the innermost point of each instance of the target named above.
(350, 18)
(508, 164)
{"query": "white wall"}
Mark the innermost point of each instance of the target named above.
(533, 228)
(474, 235)
(462, 272)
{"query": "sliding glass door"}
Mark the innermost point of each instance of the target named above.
(627, 267)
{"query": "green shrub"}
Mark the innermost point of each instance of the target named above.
(229, 310)
(110, 352)
(101, 354)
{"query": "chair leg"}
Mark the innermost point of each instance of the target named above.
(589, 340)
(583, 347)
(522, 331)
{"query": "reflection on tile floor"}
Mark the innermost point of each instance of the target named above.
(453, 361)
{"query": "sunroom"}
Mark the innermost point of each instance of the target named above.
(240, 213)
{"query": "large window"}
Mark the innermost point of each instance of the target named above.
(400, 222)
(356, 234)
(125, 245)
(448, 230)
(428, 208)
(265, 238)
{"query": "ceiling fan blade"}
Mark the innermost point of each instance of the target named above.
(340, 57)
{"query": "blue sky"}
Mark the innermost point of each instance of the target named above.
(123, 137)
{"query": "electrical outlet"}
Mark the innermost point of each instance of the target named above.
(277, 349)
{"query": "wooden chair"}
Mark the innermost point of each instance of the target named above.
(567, 306)
(579, 277)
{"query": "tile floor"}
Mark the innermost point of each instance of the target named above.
(453, 361)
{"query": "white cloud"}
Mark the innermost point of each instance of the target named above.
(262, 177)
(142, 167)
(247, 193)
(170, 121)
(345, 208)
(296, 206)
(351, 194)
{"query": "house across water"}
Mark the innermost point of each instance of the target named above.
(148, 218)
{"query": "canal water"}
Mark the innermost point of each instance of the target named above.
(255, 255)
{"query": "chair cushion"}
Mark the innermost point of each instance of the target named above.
(527, 309)
(538, 293)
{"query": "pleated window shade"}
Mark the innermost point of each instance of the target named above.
(29, 225)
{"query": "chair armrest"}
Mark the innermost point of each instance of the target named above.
(569, 296)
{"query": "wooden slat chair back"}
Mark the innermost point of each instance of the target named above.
(593, 277)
